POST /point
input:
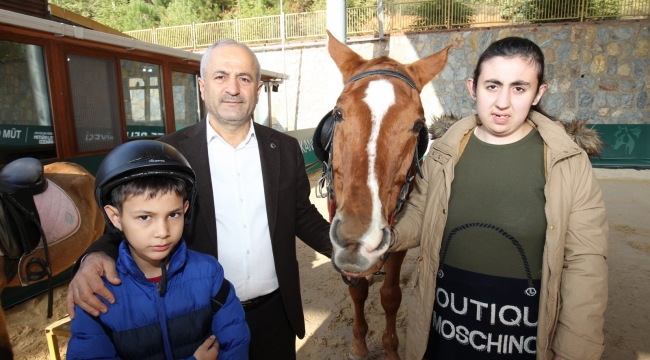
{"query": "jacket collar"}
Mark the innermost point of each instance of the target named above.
(448, 146)
(553, 134)
(126, 265)
(559, 143)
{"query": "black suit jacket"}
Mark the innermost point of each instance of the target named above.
(289, 210)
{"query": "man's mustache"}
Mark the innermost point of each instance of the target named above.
(228, 98)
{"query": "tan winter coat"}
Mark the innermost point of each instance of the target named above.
(573, 293)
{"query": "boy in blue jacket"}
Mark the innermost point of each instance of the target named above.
(173, 303)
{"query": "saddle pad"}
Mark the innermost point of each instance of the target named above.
(60, 217)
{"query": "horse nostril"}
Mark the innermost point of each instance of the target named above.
(385, 239)
(334, 236)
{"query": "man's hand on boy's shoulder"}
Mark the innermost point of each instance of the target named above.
(87, 284)
(209, 350)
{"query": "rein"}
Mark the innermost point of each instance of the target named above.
(327, 179)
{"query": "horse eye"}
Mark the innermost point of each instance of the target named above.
(338, 115)
(418, 126)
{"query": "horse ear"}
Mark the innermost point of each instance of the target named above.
(346, 59)
(426, 69)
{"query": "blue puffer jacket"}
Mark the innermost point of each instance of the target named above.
(142, 324)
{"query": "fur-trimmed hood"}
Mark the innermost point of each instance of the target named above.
(577, 130)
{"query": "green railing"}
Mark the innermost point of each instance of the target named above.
(396, 17)
(305, 25)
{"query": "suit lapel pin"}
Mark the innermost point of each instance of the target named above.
(272, 146)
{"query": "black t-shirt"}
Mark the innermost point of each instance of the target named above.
(487, 293)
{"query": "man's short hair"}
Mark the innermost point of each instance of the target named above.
(223, 42)
(149, 186)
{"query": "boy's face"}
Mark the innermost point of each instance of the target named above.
(152, 227)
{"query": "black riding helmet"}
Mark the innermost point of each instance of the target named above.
(140, 158)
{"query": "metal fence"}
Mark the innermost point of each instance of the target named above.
(396, 17)
(305, 25)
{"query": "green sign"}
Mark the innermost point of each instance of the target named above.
(304, 138)
(626, 145)
(25, 135)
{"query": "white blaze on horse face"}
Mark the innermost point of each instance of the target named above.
(380, 96)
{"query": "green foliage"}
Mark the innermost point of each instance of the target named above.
(361, 3)
(603, 9)
(299, 6)
(109, 13)
(255, 8)
(127, 15)
(437, 14)
(543, 11)
(180, 12)
(142, 15)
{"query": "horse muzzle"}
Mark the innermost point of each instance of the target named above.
(358, 255)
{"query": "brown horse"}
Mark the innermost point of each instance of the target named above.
(372, 142)
(79, 186)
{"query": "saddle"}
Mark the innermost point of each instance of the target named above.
(20, 230)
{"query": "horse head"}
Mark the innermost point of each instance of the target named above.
(375, 128)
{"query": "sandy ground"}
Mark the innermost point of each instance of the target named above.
(329, 313)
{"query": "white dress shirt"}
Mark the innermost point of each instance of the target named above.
(243, 238)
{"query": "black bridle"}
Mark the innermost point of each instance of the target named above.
(324, 139)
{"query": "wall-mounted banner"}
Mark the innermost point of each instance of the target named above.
(25, 135)
(626, 145)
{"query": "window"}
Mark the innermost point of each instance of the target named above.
(143, 99)
(186, 99)
(93, 84)
(25, 112)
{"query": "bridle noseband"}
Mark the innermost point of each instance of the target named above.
(323, 147)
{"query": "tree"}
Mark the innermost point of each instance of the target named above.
(180, 12)
(141, 14)
(109, 13)
(183, 12)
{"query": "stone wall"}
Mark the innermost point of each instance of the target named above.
(596, 72)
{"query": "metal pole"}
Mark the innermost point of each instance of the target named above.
(400, 17)
(284, 64)
(237, 29)
(336, 19)
(194, 36)
(38, 84)
(448, 14)
(380, 18)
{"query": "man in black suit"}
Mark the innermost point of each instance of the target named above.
(243, 171)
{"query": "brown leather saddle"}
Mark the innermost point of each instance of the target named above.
(20, 226)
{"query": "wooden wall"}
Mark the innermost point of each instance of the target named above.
(36, 8)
